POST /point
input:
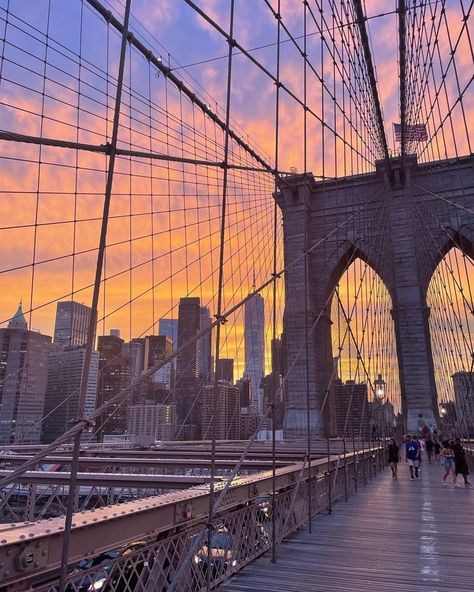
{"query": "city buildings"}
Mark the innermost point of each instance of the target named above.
(204, 347)
(61, 407)
(147, 423)
(72, 321)
(351, 408)
(227, 415)
(135, 351)
(169, 327)
(255, 349)
(115, 373)
(188, 425)
(157, 349)
(225, 370)
(23, 379)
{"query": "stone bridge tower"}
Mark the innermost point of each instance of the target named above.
(314, 214)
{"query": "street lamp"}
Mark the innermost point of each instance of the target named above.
(379, 384)
(379, 395)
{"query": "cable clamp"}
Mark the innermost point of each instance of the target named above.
(220, 319)
(89, 423)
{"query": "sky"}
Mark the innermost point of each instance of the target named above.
(58, 68)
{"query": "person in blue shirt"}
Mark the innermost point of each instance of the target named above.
(412, 452)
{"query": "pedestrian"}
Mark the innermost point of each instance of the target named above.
(460, 462)
(448, 461)
(429, 445)
(437, 450)
(393, 457)
(419, 456)
(412, 449)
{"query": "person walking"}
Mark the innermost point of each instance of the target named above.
(437, 450)
(460, 462)
(448, 461)
(429, 445)
(412, 449)
(393, 457)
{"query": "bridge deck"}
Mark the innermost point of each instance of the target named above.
(392, 536)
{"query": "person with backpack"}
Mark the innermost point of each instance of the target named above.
(393, 457)
(412, 452)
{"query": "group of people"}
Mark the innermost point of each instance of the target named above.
(451, 453)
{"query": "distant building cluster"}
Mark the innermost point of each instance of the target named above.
(41, 377)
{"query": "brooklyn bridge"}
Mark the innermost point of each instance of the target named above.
(236, 248)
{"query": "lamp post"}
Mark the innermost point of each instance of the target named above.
(379, 389)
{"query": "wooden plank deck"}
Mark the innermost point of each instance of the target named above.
(392, 536)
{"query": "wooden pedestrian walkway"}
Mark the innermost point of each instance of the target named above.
(392, 536)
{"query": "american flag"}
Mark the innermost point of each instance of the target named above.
(413, 133)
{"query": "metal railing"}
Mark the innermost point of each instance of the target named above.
(241, 531)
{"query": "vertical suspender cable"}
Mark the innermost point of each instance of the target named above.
(306, 263)
(274, 283)
(220, 289)
(95, 302)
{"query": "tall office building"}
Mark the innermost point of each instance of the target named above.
(225, 370)
(227, 416)
(205, 346)
(188, 425)
(464, 397)
(148, 423)
(254, 334)
(64, 385)
(135, 351)
(169, 327)
(72, 322)
(158, 348)
(23, 377)
(115, 374)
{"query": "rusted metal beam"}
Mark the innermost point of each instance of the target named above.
(132, 480)
(29, 549)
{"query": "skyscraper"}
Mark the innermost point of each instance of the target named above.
(254, 322)
(147, 423)
(115, 374)
(227, 416)
(23, 378)
(72, 321)
(225, 370)
(63, 390)
(187, 403)
(158, 348)
(135, 351)
(205, 345)
(169, 327)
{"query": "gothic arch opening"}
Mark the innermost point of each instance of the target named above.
(366, 382)
(450, 298)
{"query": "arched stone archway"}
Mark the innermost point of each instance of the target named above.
(382, 231)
